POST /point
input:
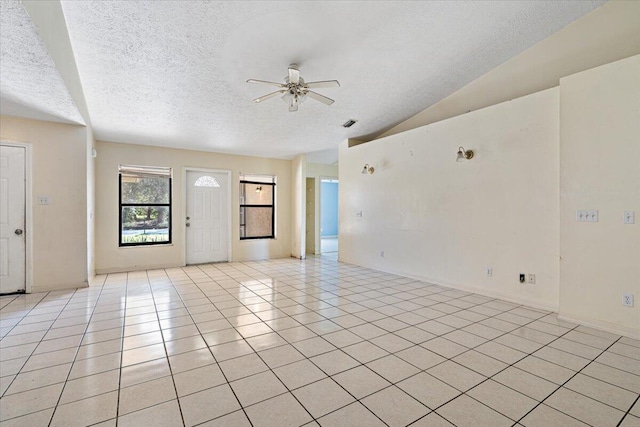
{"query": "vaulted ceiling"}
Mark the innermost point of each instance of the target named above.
(30, 85)
(173, 73)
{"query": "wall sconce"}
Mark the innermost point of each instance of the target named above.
(464, 154)
(367, 169)
(259, 189)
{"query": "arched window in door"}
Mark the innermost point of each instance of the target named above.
(206, 181)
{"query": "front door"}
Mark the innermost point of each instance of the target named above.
(207, 217)
(12, 219)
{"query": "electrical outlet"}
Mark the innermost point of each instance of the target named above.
(489, 271)
(531, 279)
(627, 300)
(522, 279)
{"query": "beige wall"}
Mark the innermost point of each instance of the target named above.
(110, 257)
(444, 221)
(600, 170)
(318, 171)
(607, 34)
(48, 18)
(59, 171)
(91, 203)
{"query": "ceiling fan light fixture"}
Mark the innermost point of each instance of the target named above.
(294, 89)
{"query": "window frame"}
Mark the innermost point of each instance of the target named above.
(272, 206)
(121, 205)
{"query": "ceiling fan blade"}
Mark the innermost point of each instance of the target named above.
(264, 82)
(268, 96)
(294, 74)
(322, 84)
(320, 98)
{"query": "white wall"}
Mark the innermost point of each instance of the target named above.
(444, 221)
(59, 171)
(110, 257)
(600, 169)
(298, 206)
(318, 171)
(609, 33)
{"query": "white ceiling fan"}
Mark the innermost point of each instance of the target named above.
(295, 90)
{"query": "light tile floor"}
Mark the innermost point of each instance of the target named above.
(328, 244)
(288, 342)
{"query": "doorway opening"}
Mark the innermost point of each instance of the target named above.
(329, 215)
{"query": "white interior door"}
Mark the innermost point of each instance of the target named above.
(12, 219)
(207, 217)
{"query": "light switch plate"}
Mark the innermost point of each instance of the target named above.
(629, 217)
(43, 200)
(587, 216)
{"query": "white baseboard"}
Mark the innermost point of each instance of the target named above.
(465, 288)
(603, 326)
(59, 287)
(499, 295)
(135, 268)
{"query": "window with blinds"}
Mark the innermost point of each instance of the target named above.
(145, 205)
(257, 206)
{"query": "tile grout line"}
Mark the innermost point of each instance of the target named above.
(164, 344)
(39, 341)
(564, 383)
(453, 313)
(262, 360)
(304, 289)
(360, 363)
(445, 314)
(386, 316)
(32, 353)
(74, 357)
(487, 378)
(125, 294)
(629, 410)
(532, 354)
(308, 359)
(208, 348)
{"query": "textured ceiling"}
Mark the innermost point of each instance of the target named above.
(30, 85)
(173, 73)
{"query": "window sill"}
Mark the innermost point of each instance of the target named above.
(253, 239)
(160, 245)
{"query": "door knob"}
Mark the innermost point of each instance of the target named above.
(188, 224)
(18, 231)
